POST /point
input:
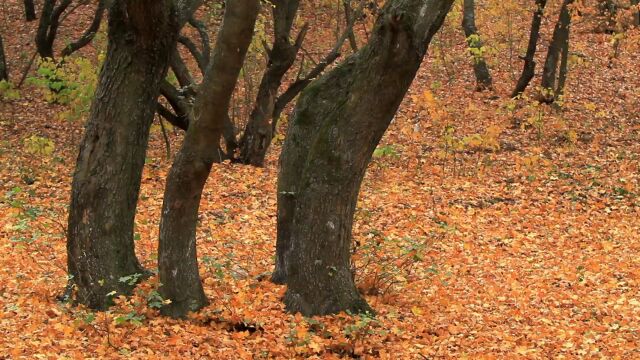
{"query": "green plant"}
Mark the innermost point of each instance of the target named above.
(8, 91)
(71, 82)
(37, 145)
(383, 151)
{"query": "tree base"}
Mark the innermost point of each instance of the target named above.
(181, 309)
(355, 304)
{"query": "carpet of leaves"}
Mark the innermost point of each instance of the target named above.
(522, 244)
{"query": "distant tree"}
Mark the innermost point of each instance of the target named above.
(337, 124)
(636, 12)
(48, 26)
(51, 18)
(529, 68)
(177, 259)
(480, 68)
(106, 181)
(29, 10)
(4, 73)
(270, 102)
(556, 65)
(259, 132)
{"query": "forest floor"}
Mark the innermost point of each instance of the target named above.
(486, 227)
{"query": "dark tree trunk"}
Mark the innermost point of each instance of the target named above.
(48, 26)
(557, 53)
(29, 10)
(4, 72)
(258, 132)
(337, 124)
(529, 68)
(636, 12)
(106, 181)
(483, 77)
(89, 34)
(177, 260)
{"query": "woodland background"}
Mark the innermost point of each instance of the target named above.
(487, 227)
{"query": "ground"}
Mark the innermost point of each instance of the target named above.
(486, 228)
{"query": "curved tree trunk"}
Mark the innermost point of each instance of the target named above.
(89, 34)
(48, 26)
(553, 77)
(258, 132)
(177, 258)
(529, 68)
(337, 125)
(106, 181)
(483, 77)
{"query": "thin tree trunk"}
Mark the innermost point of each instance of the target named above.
(349, 16)
(258, 132)
(106, 181)
(177, 260)
(4, 72)
(558, 48)
(48, 26)
(337, 124)
(300, 84)
(483, 77)
(636, 13)
(89, 34)
(529, 68)
(29, 10)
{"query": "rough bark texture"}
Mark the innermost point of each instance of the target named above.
(480, 69)
(553, 76)
(107, 178)
(258, 132)
(636, 12)
(4, 72)
(529, 68)
(338, 122)
(178, 264)
(89, 34)
(29, 10)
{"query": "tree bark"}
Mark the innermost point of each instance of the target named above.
(258, 132)
(483, 76)
(557, 53)
(4, 72)
(337, 124)
(29, 10)
(529, 68)
(106, 181)
(177, 260)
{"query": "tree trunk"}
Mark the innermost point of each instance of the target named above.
(258, 133)
(48, 26)
(338, 122)
(483, 77)
(350, 18)
(557, 53)
(178, 264)
(29, 10)
(89, 34)
(106, 181)
(4, 72)
(636, 12)
(529, 59)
